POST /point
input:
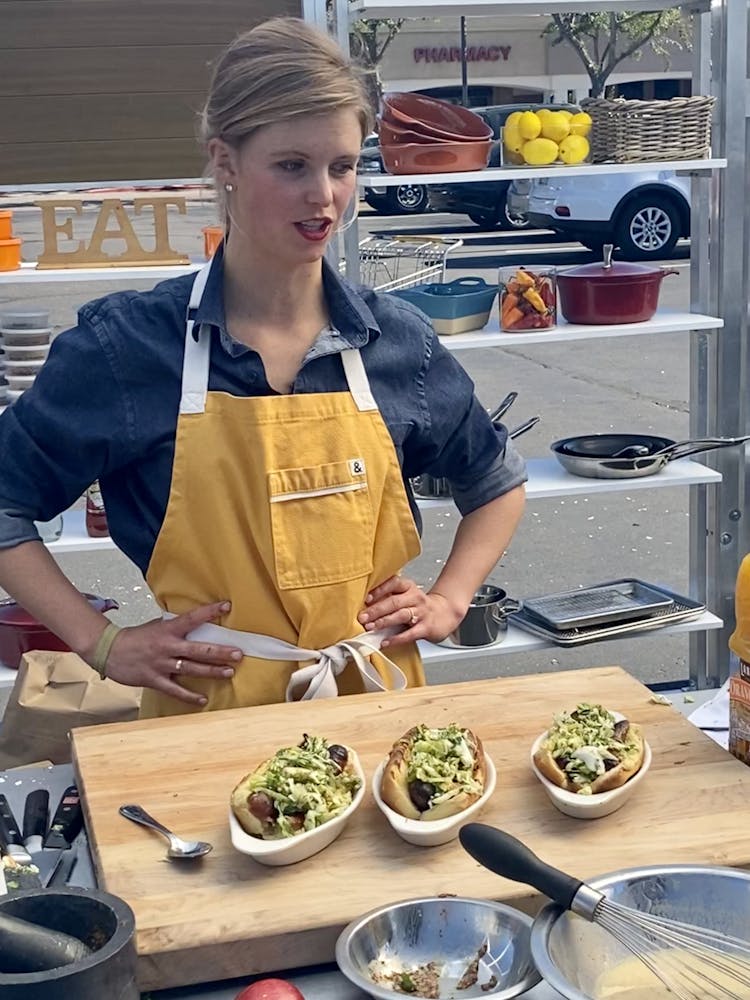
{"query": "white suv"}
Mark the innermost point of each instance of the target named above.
(644, 214)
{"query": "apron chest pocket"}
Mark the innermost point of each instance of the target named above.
(321, 523)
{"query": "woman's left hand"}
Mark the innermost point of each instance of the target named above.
(399, 603)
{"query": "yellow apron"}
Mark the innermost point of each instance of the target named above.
(291, 507)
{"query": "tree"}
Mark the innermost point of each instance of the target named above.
(603, 41)
(368, 41)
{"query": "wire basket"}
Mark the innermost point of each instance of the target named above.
(390, 262)
(638, 131)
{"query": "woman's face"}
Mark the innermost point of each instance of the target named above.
(293, 182)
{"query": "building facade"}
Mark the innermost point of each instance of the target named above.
(510, 59)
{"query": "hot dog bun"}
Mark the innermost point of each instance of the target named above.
(296, 790)
(433, 773)
(590, 750)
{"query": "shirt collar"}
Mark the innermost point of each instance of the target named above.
(351, 317)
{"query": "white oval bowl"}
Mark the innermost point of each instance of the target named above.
(590, 806)
(290, 850)
(432, 833)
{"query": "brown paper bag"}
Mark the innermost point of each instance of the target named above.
(54, 693)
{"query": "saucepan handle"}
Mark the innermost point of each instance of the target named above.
(501, 611)
(525, 426)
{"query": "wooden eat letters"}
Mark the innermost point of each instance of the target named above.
(112, 223)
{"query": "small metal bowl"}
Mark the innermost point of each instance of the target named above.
(450, 931)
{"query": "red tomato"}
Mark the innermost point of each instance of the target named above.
(270, 989)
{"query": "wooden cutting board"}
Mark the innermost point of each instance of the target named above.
(230, 916)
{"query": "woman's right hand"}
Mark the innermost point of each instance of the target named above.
(157, 654)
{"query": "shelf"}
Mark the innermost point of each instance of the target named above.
(546, 479)
(375, 9)
(665, 321)
(74, 537)
(532, 173)
(29, 273)
(518, 641)
(515, 641)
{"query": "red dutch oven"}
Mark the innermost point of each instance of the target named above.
(610, 293)
(20, 632)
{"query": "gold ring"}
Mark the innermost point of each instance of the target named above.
(412, 616)
(178, 666)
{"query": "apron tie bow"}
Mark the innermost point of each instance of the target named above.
(318, 679)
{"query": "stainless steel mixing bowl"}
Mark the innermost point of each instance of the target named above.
(572, 954)
(448, 930)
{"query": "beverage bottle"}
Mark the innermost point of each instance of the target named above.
(739, 641)
(96, 515)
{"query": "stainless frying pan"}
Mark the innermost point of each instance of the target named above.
(629, 456)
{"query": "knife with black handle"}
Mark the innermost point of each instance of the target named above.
(11, 840)
(35, 819)
(67, 821)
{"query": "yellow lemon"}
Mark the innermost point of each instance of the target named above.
(574, 149)
(555, 126)
(540, 152)
(580, 124)
(529, 125)
(512, 139)
(542, 112)
(566, 114)
(514, 118)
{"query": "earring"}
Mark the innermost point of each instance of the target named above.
(229, 187)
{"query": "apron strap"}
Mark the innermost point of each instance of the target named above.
(197, 350)
(197, 358)
(318, 680)
(356, 377)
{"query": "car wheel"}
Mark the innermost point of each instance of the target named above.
(407, 199)
(647, 228)
(511, 222)
(485, 220)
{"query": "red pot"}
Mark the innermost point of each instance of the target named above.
(610, 293)
(20, 632)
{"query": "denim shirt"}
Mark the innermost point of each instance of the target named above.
(105, 404)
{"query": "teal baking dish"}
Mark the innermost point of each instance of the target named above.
(455, 306)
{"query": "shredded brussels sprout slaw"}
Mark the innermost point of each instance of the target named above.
(304, 781)
(443, 758)
(584, 741)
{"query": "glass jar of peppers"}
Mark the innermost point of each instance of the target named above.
(528, 299)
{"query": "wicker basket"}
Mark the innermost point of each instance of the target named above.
(638, 131)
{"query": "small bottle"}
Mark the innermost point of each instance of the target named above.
(96, 515)
(739, 641)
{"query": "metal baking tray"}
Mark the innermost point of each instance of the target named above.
(683, 609)
(604, 604)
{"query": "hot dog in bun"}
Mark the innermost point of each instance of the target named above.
(433, 773)
(590, 750)
(296, 790)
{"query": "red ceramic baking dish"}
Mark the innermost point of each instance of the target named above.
(20, 632)
(430, 116)
(444, 157)
(397, 135)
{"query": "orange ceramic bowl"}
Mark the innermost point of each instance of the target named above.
(444, 157)
(429, 116)
(396, 135)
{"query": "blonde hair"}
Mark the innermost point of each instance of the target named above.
(279, 70)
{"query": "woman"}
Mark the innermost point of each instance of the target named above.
(253, 457)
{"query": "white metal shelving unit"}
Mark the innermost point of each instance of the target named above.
(720, 287)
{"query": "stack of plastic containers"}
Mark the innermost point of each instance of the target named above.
(25, 338)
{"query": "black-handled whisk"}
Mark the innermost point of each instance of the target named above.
(695, 963)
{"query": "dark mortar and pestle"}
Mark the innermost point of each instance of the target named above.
(60, 944)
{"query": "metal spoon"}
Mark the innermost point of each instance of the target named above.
(178, 848)
(634, 451)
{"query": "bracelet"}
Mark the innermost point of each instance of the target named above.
(101, 653)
